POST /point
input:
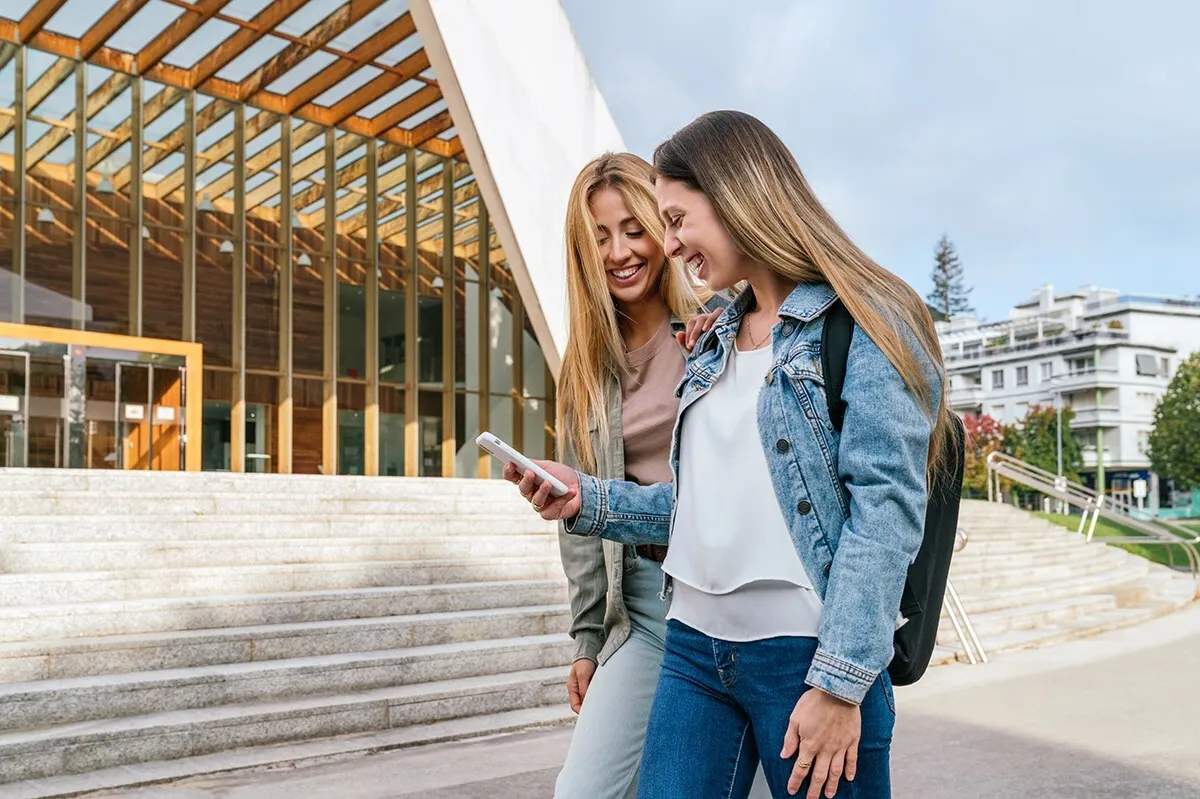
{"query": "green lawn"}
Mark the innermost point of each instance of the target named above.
(1107, 529)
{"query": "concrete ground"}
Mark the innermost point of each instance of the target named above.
(1112, 716)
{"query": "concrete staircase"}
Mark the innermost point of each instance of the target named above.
(1026, 583)
(168, 619)
(157, 626)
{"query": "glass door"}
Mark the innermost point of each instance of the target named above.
(14, 408)
(134, 415)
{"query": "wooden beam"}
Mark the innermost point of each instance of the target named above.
(36, 18)
(42, 88)
(385, 39)
(363, 96)
(431, 127)
(182, 27)
(455, 147)
(97, 101)
(221, 149)
(212, 113)
(301, 170)
(161, 103)
(314, 39)
(415, 102)
(246, 36)
(390, 180)
(345, 176)
(107, 25)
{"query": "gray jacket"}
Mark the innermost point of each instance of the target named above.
(594, 567)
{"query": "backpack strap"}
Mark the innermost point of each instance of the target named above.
(835, 351)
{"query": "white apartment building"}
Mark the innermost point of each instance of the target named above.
(1107, 355)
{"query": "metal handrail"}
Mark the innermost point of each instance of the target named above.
(1094, 505)
(959, 616)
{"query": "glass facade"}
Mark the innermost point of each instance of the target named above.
(353, 305)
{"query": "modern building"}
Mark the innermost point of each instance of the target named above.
(284, 235)
(1104, 354)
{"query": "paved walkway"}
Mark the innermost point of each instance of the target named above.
(1108, 717)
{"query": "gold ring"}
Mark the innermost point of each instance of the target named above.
(537, 507)
(804, 764)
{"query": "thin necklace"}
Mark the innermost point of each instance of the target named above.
(756, 344)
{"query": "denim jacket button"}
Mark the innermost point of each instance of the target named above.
(787, 329)
(827, 566)
(782, 445)
(804, 507)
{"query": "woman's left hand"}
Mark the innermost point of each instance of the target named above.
(823, 732)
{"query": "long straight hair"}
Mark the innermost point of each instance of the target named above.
(763, 200)
(595, 349)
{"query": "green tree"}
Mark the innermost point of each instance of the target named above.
(1035, 440)
(1175, 439)
(949, 295)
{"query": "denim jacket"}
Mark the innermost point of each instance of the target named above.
(595, 569)
(854, 501)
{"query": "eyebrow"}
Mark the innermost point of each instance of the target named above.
(627, 219)
(665, 213)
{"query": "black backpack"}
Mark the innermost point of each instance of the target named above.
(925, 588)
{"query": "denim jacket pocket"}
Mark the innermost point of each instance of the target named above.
(803, 372)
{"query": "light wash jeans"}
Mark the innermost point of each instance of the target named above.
(606, 747)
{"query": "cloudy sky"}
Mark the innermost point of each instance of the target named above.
(1052, 141)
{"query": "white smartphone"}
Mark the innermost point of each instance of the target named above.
(506, 454)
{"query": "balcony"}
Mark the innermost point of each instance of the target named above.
(967, 398)
(1036, 347)
(1103, 377)
(1097, 416)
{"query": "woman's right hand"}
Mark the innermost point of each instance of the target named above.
(549, 508)
(697, 326)
(578, 681)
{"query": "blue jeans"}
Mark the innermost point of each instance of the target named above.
(606, 747)
(723, 707)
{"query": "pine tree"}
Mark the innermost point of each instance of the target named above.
(949, 295)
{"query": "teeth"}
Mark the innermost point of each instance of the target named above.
(625, 274)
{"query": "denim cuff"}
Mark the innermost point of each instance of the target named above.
(587, 646)
(592, 508)
(839, 677)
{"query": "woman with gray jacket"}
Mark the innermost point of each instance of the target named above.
(617, 408)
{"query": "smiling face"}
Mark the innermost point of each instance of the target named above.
(696, 235)
(633, 263)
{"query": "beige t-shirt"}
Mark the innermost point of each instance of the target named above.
(648, 407)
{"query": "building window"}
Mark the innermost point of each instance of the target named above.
(1047, 371)
(1166, 366)
(999, 414)
(1143, 441)
(1022, 375)
(997, 378)
(1147, 366)
(1078, 366)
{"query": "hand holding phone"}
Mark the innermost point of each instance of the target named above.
(496, 447)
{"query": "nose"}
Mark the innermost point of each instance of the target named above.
(671, 245)
(618, 251)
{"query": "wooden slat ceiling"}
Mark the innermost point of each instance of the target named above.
(37, 29)
(391, 55)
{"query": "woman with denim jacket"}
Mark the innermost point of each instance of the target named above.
(790, 541)
(617, 407)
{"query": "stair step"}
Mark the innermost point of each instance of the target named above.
(42, 703)
(133, 504)
(264, 528)
(1029, 574)
(110, 743)
(57, 588)
(150, 554)
(1126, 583)
(292, 753)
(1033, 616)
(83, 657)
(89, 619)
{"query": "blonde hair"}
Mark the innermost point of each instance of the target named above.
(763, 200)
(595, 349)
